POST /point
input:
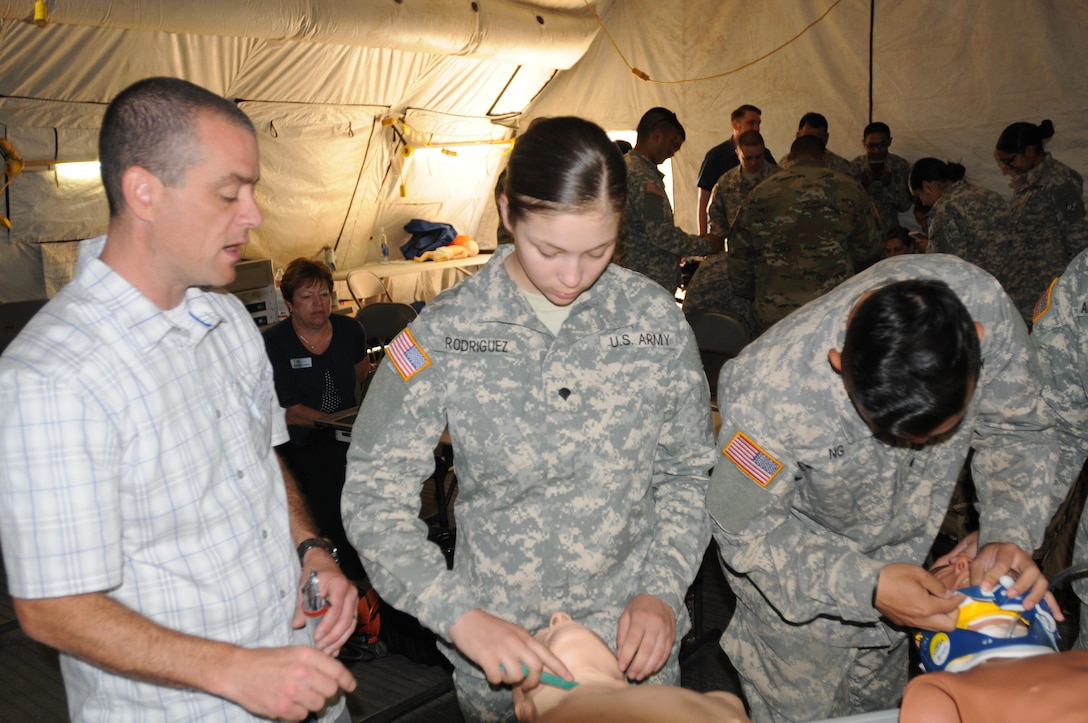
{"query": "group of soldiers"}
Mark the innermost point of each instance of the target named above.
(830, 489)
(821, 220)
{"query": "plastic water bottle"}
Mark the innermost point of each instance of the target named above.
(281, 305)
(385, 245)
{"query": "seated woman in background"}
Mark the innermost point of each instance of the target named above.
(603, 694)
(317, 359)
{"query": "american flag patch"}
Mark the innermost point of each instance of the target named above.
(407, 356)
(1043, 304)
(751, 459)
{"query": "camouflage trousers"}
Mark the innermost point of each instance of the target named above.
(788, 678)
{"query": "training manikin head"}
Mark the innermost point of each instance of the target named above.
(990, 625)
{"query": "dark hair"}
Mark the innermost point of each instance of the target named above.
(1018, 137)
(910, 357)
(744, 110)
(565, 165)
(877, 127)
(935, 170)
(152, 124)
(654, 119)
(807, 147)
(902, 233)
(812, 120)
(301, 273)
(623, 145)
(750, 139)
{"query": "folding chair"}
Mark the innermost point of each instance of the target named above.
(382, 321)
(720, 336)
(364, 285)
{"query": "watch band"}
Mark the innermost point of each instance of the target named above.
(324, 543)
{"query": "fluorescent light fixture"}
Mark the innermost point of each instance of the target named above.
(80, 171)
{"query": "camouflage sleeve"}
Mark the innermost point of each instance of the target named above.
(648, 220)
(946, 235)
(1068, 198)
(391, 455)
(742, 256)
(1076, 237)
(1060, 334)
(685, 454)
(899, 192)
(718, 213)
(1015, 450)
(804, 570)
(866, 242)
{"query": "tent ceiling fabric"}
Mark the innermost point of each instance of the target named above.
(319, 77)
(495, 29)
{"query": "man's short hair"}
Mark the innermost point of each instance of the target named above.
(654, 119)
(812, 120)
(807, 147)
(152, 124)
(910, 357)
(750, 139)
(877, 127)
(744, 110)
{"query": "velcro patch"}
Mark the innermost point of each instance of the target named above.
(655, 189)
(407, 356)
(752, 459)
(1043, 304)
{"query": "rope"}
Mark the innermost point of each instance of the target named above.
(646, 77)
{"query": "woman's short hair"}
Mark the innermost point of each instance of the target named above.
(910, 357)
(301, 273)
(565, 165)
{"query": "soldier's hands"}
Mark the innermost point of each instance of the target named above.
(1006, 558)
(283, 683)
(644, 637)
(501, 649)
(909, 596)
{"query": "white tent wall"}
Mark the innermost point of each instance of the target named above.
(319, 77)
(947, 77)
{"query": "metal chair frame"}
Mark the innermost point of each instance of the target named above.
(363, 285)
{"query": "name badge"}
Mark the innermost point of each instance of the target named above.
(481, 346)
(302, 363)
(655, 339)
